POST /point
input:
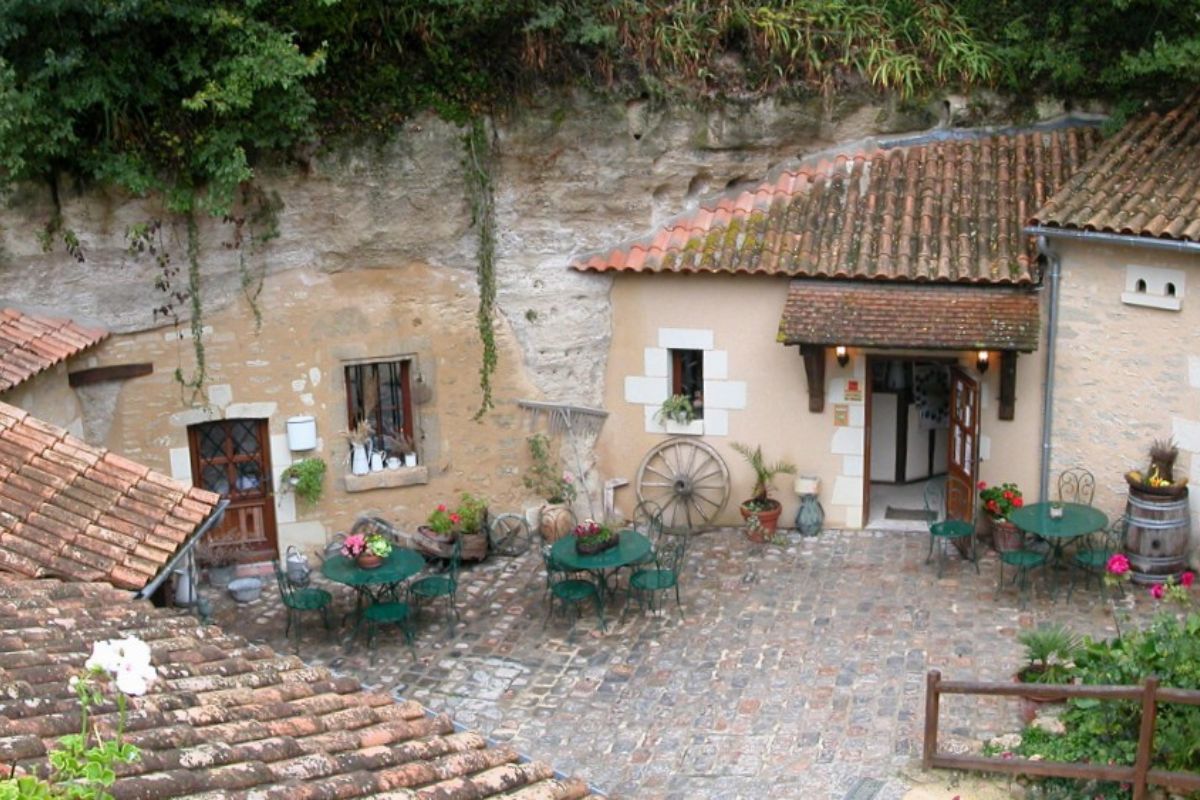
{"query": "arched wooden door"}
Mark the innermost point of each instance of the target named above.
(232, 457)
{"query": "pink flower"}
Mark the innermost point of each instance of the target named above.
(981, 485)
(354, 544)
(568, 477)
(441, 507)
(1018, 502)
(1156, 591)
(455, 518)
(1118, 564)
(1187, 579)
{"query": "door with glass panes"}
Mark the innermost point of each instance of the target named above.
(232, 457)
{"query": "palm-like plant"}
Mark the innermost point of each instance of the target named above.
(764, 473)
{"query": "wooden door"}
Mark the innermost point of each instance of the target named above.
(963, 441)
(232, 457)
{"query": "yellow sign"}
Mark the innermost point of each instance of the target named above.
(841, 415)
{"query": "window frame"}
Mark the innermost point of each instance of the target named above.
(356, 388)
(679, 370)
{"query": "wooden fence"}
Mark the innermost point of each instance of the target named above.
(1138, 776)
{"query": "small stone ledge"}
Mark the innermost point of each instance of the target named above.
(387, 479)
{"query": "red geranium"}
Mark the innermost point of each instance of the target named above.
(999, 501)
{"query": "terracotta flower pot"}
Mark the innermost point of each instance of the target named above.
(768, 520)
(1006, 537)
(368, 560)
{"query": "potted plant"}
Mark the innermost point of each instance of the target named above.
(219, 561)
(368, 550)
(765, 508)
(556, 486)
(1050, 653)
(677, 408)
(359, 438)
(592, 537)
(306, 478)
(472, 527)
(998, 503)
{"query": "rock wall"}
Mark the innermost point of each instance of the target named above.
(573, 175)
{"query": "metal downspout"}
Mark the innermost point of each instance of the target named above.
(184, 552)
(1054, 262)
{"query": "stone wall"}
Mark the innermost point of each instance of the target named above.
(50, 397)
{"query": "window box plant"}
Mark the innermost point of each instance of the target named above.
(761, 505)
(306, 478)
(676, 408)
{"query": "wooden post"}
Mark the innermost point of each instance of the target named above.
(814, 372)
(1141, 763)
(932, 689)
(1008, 384)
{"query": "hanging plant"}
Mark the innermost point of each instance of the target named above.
(306, 478)
(478, 162)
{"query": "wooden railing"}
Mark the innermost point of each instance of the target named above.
(1138, 776)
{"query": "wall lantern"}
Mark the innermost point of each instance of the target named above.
(982, 361)
(301, 433)
(843, 357)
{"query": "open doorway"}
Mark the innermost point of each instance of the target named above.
(908, 433)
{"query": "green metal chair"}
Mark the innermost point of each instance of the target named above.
(1091, 556)
(943, 531)
(1076, 485)
(668, 561)
(297, 601)
(570, 591)
(445, 585)
(647, 520)
(388, 613)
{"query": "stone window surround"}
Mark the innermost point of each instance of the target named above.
(653, 386)
(1154, 287)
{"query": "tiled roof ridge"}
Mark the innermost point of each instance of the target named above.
(31, 343)
(230, 718)
(754, 230)
(1141, 183)
(84, 513)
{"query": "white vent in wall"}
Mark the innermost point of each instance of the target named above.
(1153, 287)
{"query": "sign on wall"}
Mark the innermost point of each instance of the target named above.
(841, 415)
(853, 393)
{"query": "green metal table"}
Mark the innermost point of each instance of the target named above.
(1077, 520)
(633, 547)
(371, 585)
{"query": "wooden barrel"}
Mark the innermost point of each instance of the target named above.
(1157, 539)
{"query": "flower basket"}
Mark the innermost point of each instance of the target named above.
(1006, 537)
(591, 545)
(368, 560)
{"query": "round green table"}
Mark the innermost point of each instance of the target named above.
(633, 547)
(1077, 520)
(400, 565)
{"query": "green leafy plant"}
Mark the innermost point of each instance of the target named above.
(1050, 654)
(306, 478)
(556, 485)
(83, 766)
(764, 474)
(472, 510)
(1000, 501)
(677, 408)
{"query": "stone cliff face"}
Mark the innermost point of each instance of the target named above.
(573, 175)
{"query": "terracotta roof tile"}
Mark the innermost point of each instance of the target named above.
(30, 344)
(227, 718)
(1145, 181)
(83, 513)
(948, 209)
(927, 316)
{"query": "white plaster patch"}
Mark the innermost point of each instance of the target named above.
(220, 394)
(858, 415)
(314, 376)
(250, 410)
(852, 465)
(1186, 433)
(655, 362)
(693, 428)
(847, 491)
(716, 422)
(847, 442)
(298, 385)
(985, 448)
(647, 391)
(181, 464)
(193, 416)
(186, 333)
(716, 365)
(685, 338)
(835, 390)
(307, 399)
(854, 518)
(724, 394)
(650, 417)
(258, 362)
(1194, 372)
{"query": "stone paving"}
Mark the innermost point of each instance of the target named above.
(796, 670)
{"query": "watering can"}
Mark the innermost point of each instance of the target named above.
(298, 569)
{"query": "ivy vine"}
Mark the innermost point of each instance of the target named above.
(478, 162)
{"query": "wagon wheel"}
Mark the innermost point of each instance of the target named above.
(509, 534)
(687, 479)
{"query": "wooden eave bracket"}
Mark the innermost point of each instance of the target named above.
(113, 372)
(1008, 384)
(814, 372)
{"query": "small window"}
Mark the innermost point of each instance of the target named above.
(1141, 287)
(380, 393)
(1170, 290)
(687, 377)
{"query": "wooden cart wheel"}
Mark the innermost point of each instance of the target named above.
(509, 535)
(688, 480)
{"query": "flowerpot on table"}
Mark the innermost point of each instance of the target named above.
(368, 560)
(591, 545)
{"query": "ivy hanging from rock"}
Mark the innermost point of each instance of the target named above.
(478, 163)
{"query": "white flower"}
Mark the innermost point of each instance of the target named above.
(104, 656)
(127, 661)
(133, 680)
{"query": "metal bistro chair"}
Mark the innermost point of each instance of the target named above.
(647, 520)
(1094, 551)
(668, 562)
(388, 613)
(297, 601)
(943, 531)
(431, 587)
(570, 591)
(1076, 485)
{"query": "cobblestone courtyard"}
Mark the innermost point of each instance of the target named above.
(796, 671)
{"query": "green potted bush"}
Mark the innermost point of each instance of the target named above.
(761, 505)
(677, 408)
(1050, 654)
(306, 478)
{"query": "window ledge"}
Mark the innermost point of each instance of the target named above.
(1165, 302)
(387, 479)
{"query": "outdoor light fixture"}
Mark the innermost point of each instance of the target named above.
(843, 357)
(981, 361)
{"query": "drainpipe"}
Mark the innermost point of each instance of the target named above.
(184, 552)
(1099, 237)
(1054, 260)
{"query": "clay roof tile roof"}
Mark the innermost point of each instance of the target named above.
(1145, 181)
(30, 344)
(947, 208)
(83, 513)
(227, 718)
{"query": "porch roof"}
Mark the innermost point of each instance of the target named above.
(72, 510)
(30, 344)
(924, 316)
